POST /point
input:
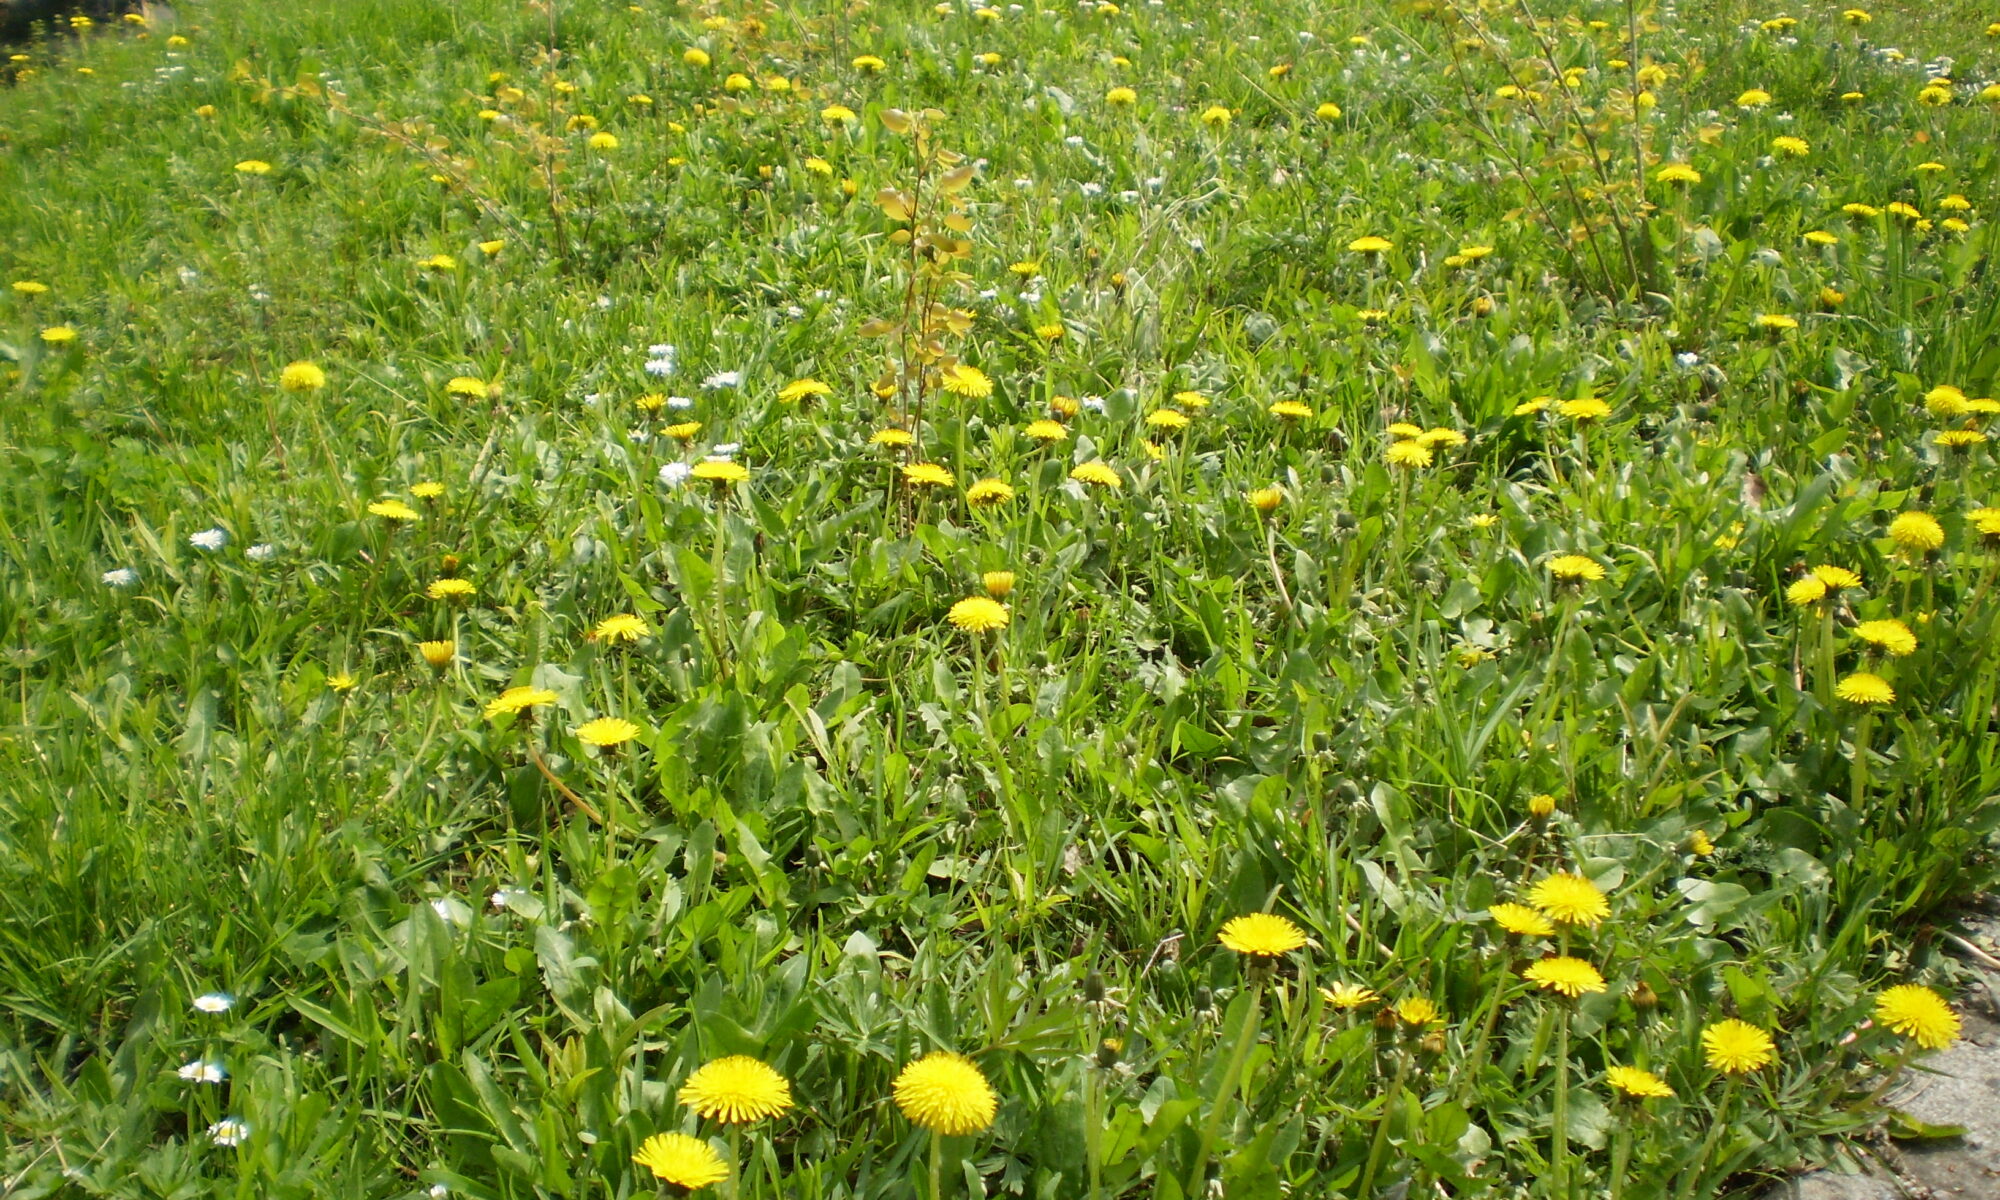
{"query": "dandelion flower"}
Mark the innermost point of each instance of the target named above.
(1919, 1014)
(1677, 173)
(603, 141)
(1916, 532)
(606, 732)
(1754, 98)
(946, 1094)
(989, 492)
(695, 56)
(1776, 322)
(868, 62)
(1532, 405)
(736, 1091)
(468, 387)
(1865, 689)
(1370, 244)
(799, 389)
(978, 614)
(1638, 1084)
(1889, 634)
(682, 431)
(1263, 935)
(1441, 436)
(1409, 454)
(1585, 408)
(1790, 147)
(450, 589)
(1418, 1011)
(1267, 499)
(1215, 116)
(1291, 410)
(518, 699)
(1099, 473)
(30, 287)
(1576, 568)
(621, 627)
(1046, 431)
(1121, 97)
(838, 114)
(394, 510)
(1568, 976)
(1404, 431)
(1167, 418)
(253, 166)
(1958, 439)
(891, 437)
(1521, 921)
(998, 584)
(964, 379)
(681, 1161)
(1736, 1047)
(1570, 899)
(720, 471)
(58, 335)
(302, 377)
(1348, 995)
(438, 654)
(926, 475)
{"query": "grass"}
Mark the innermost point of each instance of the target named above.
(473, 953)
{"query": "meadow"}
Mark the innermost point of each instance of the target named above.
(886, 600)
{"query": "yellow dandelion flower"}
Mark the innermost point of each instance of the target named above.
(736, 1090)
(518, 699)
(1866, 689)
(342, 681)
(1790, 147)
(30, 287)
(1371, 244)
(1441, 436)
(946, 1094)
(1291, 410)
(1121, 97)
(1836, 578)
(302, 377)
(58, 335)
(1418, 1011)
(695, 56)
(964, 379)
(1576, 568)
(450, 589)
(253, 166)
(1215, 116)
(1888, 634)
(998, 584)
(1403, 430)
(1046, 431)
(1565, 975)
(1532, 405)
(1097, 472)
(1348, 995)
(606, 732)
(891, 437)
(868, 62)
(926, 475)
(1261, 935)
(1754, 98)
(438, 654)
(838, 114)
(681, 1161)
(1267, 499)
(621, 627)
(979, 614)
(468, 387)
(1408, 454)
(1636, 1083)
(1521, 921)
(1776, 322)
(1569, 899)
(1917, 1013)
(988, 492)
(720, 471)
(799, 389)
(394, 510)
(1737, 1047)
(1916, 533)
(1676, 173)
(1167, 418)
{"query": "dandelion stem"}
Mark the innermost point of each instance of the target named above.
(1389, 1099)
(1559, 1131)
(937, 1165)
(1246, 1037)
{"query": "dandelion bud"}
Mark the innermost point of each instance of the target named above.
(1542, 806)
(449, 563)
(998, 584)
(1204, 1000)
(1482, 306)
(1643, 997)
(1432, 1043)
(1093, 988)
(1108, 1052)
(1346, 522)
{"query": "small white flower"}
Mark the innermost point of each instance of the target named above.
(661, 350)
(1093, 403)
(229, 1131)
(120, 577)
(1197, 245)
(674, 474)
(639, 435)
(214, 1002)
(1031, 297)
(1073, 140)
(1091, 188)
(660, 367)
(794, 311)
(679, 403)
(1687, 358)
(723, 379)
(201, 1071)
(1023, 183)
(208, 539)
(439, 1191)
(723, 451)
(261, 552)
